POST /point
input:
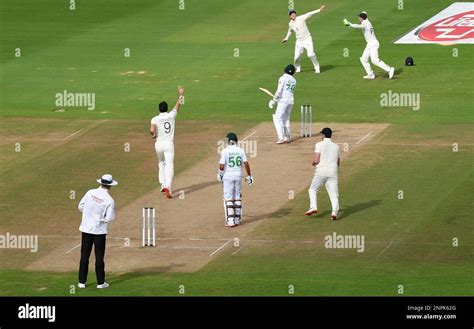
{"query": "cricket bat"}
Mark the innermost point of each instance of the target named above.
(266, 91)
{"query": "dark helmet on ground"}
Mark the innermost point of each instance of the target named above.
(290, 69)
(232, 137)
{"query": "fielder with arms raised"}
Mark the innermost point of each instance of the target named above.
(162, 129)
(230, 174)
(372, 49)
(284, 96)
(304, 41)
(326, 159)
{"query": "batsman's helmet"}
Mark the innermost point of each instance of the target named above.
(409, 61)
(290, 69)
(232, 137)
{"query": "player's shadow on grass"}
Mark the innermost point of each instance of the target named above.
(277, 214)
(197, 187)
(142, 272)
(347, 211)
(324, 68)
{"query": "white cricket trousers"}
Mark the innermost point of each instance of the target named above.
(372, 51)
(165, 153)
(281, 120)
(331, 188)
(300, 46)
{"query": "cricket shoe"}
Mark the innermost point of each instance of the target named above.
(167, 193)
(287, 140)
(311, 211)
(281, 141)
(81, 285)
(391, 72)
(103, 285)
(334, 217)
(162, 188)
(369, 77)
(317, 70)
(298, 69)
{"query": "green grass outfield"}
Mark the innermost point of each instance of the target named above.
(82, 51)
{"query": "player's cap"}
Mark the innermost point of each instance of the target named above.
(363, 15)
(327, 132)
(232, 137)
(292, 11)
(107, 180)
(290, 69)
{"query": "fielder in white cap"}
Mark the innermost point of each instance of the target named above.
(98, 210)
(372, 49)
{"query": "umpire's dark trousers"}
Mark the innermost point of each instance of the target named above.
(98, 240)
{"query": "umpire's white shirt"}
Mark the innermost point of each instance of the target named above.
(98, 209)
(329, 152)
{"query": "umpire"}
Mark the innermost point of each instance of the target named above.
(98, 210)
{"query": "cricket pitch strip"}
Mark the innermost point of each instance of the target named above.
(190, 227)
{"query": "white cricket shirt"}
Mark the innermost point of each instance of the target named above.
(165, 123)
(233, 158)
(286, 89)
(299, 26)
(98, 209)
(367, 30)
(329, 152)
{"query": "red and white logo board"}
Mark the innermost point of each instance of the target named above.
(455, 24)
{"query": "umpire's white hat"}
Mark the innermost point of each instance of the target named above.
(107, 180)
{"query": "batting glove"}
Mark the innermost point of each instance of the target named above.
(249, 180)
(346, 22)
(220, 175)
(271, 104)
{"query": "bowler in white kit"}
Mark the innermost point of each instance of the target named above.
(304, 40)
(372, 49)
(326, 160)
(162, 129)
(233, 158)
(284, 97)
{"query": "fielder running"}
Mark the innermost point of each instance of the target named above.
(230, 174)
(304, 41)
(372, 49)
(326, 159)
(284, 96)
(162, 129)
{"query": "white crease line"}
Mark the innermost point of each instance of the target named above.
(235, 252)
(250, 135)
(381, 253)
(220, 248)
(77, 132)
(67, 252)
(363, 138)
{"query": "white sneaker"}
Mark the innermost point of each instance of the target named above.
(317, 70)
(81, 285)
(369, 77)
(280, 141)
(286, 140)
(298, 70)
(103, 285)
(391, 72)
